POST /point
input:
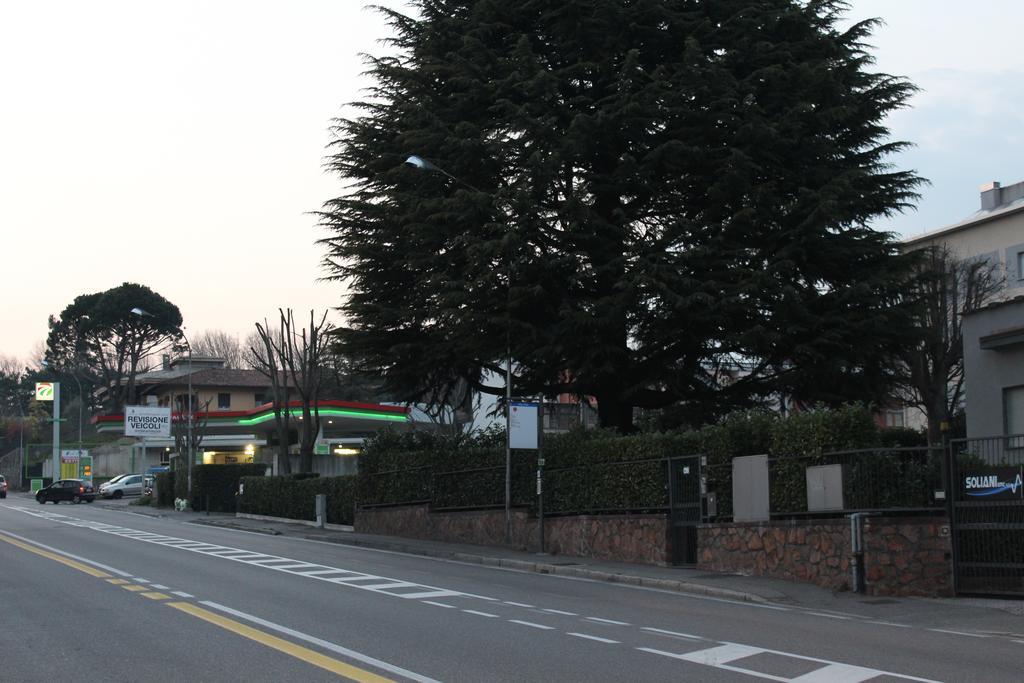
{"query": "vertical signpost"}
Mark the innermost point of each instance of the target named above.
(50, 391)
(524, 433)
(69, 464)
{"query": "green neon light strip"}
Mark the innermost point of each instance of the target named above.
(328, 411)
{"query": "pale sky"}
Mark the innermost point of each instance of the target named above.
(180, 145)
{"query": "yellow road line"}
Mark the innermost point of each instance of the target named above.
(155, 596)
(55, 557)
(305, 654)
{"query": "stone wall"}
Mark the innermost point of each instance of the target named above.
(627, 538)
(902, 556)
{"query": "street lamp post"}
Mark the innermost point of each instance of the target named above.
(21, 443)
(74, 374)
(188, 419)
(424, 165)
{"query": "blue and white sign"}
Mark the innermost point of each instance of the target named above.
(997, 483)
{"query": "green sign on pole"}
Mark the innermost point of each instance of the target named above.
(85, 467)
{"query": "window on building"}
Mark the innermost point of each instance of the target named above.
(894, 417)
(1013, 414)
(1020, 265)
(260, 399)
(223, 401)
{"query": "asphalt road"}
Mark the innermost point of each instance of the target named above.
(87, 591)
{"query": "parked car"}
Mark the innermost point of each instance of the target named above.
(113, 480)
(128, 485)
(3, 487)
(71, 490)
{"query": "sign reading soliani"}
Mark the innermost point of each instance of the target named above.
(147, 421)
(997, 483)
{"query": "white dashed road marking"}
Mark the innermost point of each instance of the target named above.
(719, 654)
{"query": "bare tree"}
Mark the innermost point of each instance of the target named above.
(253, 340)
(945, 289)
(219, 344)
(264, 354)
(298, 355)
(303, 361)
(11, 373)
(181, 432)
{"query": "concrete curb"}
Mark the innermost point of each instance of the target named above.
(288, 520)
(556, 569)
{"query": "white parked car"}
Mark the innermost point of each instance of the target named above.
(124, 485)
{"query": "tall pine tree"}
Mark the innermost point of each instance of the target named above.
(641, 195)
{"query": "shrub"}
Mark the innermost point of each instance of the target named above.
(216, 485)
(598, 470)
(294, 498)
(165, 489)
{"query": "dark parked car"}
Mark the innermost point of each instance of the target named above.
(72, 490)
(3, 487)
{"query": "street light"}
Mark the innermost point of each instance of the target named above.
(425, 165)
(188, 419)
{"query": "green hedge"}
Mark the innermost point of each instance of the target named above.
(165, 489)
(285, 496)
(596, 470)
(214, 484)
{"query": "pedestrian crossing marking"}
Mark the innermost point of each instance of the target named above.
(341, 577)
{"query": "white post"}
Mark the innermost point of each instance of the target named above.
(56, 431)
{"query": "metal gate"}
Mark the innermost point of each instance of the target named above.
(686, 489)
(986, 501)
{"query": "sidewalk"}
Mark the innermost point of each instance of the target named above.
(965, 614)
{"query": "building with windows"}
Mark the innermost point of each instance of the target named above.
(994, 368)
(993, 337)
(235, 418)
(995, 233)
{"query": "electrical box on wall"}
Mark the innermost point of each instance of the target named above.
(824, 488)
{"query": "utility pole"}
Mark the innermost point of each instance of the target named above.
(56, 431)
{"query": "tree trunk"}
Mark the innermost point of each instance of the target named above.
(937, 414)
(613, 413)
(306, 440)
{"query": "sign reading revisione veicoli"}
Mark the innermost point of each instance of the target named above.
(147, 421)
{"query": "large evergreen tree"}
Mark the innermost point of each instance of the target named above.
(639, 196)
(99, 337)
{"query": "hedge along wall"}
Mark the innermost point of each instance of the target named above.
(600, 471)
(592, 470)
(291, 498)
(164, 489)
(216, 484)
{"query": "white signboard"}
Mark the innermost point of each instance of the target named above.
(72, 456)
(44, 391)
(147, 421)
(523, 425)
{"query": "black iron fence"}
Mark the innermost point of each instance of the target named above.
(595, 488)
(872, 479)
(879, 480)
